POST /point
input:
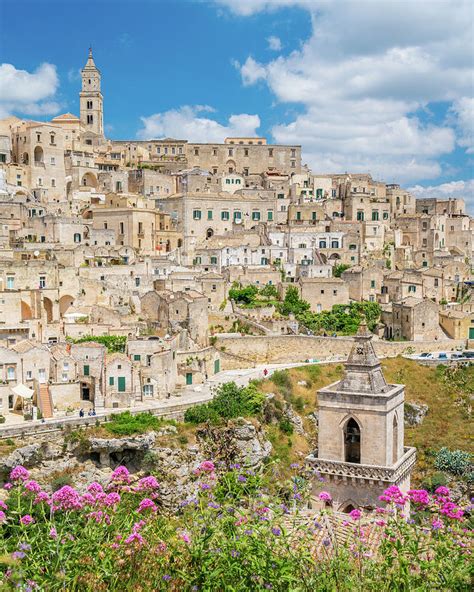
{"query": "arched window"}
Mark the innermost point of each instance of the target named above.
(395, 440)
(77, 237)
(352, 442)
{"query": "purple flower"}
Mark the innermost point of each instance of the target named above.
(166, 578)
(437, 524)
(18, 554)
(3, 516)
(185, 538)
(248, 532)
(24, 547)
(294, 466)
(26, 520)
(111, 499)
(442, 490)
(32, 486)
(66, 498)
(276, 531)
(204, 486)
(41, 497)
(324, 496)
(53, 533)
(149, 482)
(3, 505)
(242, 479)
(95, 488)
(8, 486)
(208, 466)
(135, 537)
(19, 473)
(326, 542)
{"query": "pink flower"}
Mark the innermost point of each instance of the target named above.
(26, 520)
(437, 524)
(7, 486)
(135, 537)
(66, 498)
(53, 533)
(41, 497)
(3, 516)
(355, 514)
(19, 473)
(419, 496)
(393, 495)
(3, 505)
(185, 538)
(138, 526)
(208, 466)
(147, 504)
(149, 482)
(120, 475)
(442, 490)
(95, 488)
(112, 499)
(324, 496)
(88, 499)
(32, 486)
(380, 523)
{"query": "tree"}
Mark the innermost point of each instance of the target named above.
(339, 269)
(293, 304)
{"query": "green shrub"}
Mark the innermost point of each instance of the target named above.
(435, 481)
(298, 404)
(113, 343)
(229, 402)
(126, 424)
(456, 462)
(60, 481)
(285, 426)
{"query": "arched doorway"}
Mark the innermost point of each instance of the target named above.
(26, 313)
(89, 180)
(209, 233)
(347, 508)
(39, 155)
(395, 440)
(25, 158)
(352, 441)
(65, 302)
(48, 308)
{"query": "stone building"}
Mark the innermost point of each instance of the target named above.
(91, 103)
(322, 293)
(413, 319)
(361, 433)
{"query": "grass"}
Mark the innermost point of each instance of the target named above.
(446, 424)
(126, 424)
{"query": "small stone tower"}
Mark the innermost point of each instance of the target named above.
(360, 441)
(91, 100)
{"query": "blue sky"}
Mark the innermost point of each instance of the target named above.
(385, 86)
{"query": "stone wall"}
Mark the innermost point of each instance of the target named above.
(296, 348)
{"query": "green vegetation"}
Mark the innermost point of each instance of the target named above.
(126, 424)
(252, 297)
(113, 343)
(339, 269)
(343, 319)
(230, 401)
(455, 462)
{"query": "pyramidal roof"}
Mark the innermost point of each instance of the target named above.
(363, 373)
(90, 64)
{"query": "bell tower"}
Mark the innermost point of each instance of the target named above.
(361, 448)
(91, 100)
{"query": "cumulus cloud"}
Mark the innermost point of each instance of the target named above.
(28, 93)
(250, 7)
(190, 122)
(460, 189)
(364, 77)
(274, 43)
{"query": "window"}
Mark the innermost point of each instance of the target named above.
(11, 373)
(322, 244)
(270, 152)
(77, 237)
(53, 182)
(213, 260)
(225, 215)
(411, 288)
(196, 214)
(293, 164)
(334, 244)
(29, 375)
(246, 152)
(86, 370)
(137, 357)
(246, 172)
(255, 215)
(209, 214)
(10, 282)
(270, 215)
(66, 366)
(52, 139)
(237, 215)
(314, 216)
(293, 152)
(111, 381)
(372, 283)
(385, 216)
(90, 119)
(64, 376)
(231, 152)
(196, 151)
(42, 281)
(298, 215)
(214, 152)
(148, 390)
(137, 281)
(360, 216)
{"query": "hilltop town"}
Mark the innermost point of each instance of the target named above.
(129, 270)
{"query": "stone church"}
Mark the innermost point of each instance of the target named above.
(361, 448)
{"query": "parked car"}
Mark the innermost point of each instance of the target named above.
(425, 355)
(468, 355)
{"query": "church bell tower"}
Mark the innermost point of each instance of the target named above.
(361, 448)
(91, 100)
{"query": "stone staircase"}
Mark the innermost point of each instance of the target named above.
(45, 402)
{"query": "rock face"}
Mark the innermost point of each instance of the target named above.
(252, 447)
(294, 419)
(415, 413)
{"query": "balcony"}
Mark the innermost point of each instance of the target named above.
(344, 470)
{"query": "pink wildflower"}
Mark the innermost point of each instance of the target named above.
(437, 524)
(33, 486)
(147, 504)
(149, 482)
(324, 496)
(19, 473)
(53, 533)
(208, 466)
(185, 538)
(3, 505)
(8, 486)
(419, 497)
(380, 523)
(26, 520)
(41, 497)
(95, 488)
(87, 499)
(393, 495)
(135, 537)
(355, 514)
(3, 516)
(138, 526)
(112, 499)
(120, 475)
(442, 490)
(66, 498)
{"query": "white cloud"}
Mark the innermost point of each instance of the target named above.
(188, 122)
(274, 43)
(365, 76)
(461, 189)
(28, 93)
(463, 108)
(250, 7)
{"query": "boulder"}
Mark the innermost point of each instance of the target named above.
(251, 444)
(415, 413)
(294, 419)
(26, 456)
(140, 442)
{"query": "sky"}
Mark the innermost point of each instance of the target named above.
(379, 86)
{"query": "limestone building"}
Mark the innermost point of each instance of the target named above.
(361, 448)
(91, 103)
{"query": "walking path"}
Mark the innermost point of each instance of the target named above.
(172, 407)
